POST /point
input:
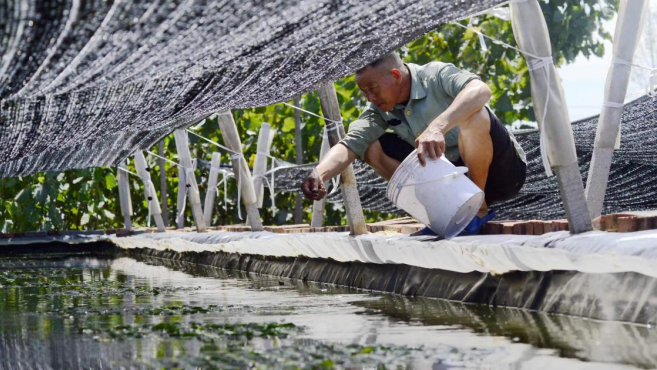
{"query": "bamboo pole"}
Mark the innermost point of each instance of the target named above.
(350, 197)
(260, 163)
(298, 141)
(163, 183)
(182, 146)
(319, 205)
(630, 21)
(241, 169)
(149, 190)
(558, 143)
(208, 207)
(124, 195)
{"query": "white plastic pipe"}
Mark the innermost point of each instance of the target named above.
(208, 207)
(631, 17)
(182, 146)
(260, 163)
(149, 190)
(124, 195)
(182, 197)
(241, 169)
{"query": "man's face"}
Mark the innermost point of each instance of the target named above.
(379, 87)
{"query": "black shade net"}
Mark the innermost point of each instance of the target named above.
(631, 184)
(86, 83)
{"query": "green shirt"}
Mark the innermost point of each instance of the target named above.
(433, 89)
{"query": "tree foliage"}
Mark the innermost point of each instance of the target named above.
(88, 199)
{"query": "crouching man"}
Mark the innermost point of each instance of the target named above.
(438, 110)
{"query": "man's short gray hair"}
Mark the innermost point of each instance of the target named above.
(385, 62)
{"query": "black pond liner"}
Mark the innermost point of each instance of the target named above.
(626, 297)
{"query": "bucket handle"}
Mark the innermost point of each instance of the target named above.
(458, 171)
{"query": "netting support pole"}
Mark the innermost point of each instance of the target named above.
(298, 141)
(631, 17)
(124, 195)
(208, 207)
(331, 109)
(319, 205)
(260, 163)
(182, 146)
(149, 190)
(241, 169)
(163, 183)
(181, 198)
(557, 141)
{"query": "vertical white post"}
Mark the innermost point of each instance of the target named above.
(182, 146)
(149, 190)
(319, 205)
(241, 169)
(124, 195)
(208, 207)
(329, 101)
(260, 163)
(298, 141)
(182, 196)
(163, 183)
(631, 17)
(530, 31)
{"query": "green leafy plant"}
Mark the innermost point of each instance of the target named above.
(88, 199)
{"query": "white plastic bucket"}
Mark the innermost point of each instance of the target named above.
(438, 195)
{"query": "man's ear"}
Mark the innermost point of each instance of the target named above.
(396, 75)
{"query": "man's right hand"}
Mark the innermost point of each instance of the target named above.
(313, 187)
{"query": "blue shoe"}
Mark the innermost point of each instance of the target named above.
(427, 231)
(474, 227)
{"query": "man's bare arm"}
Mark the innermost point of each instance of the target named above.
(468, 102)
(334, 162)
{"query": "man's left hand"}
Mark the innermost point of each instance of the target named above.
(431, 143)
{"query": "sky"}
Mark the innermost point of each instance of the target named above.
(584, 80)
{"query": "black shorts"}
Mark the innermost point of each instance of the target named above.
(507, 171)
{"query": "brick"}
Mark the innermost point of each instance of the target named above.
(538, 227)
(123, 232)
(297, 230)
(627, 224)
(395, 228)
(560, 225)
(507, 227)
(651, 222)
(519, 228)
(395, 221)
(492, 228)
(411, 228)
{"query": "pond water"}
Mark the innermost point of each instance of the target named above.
(76, 311)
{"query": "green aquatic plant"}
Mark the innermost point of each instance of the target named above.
(239, 345)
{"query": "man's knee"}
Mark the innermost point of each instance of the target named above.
(479, 122)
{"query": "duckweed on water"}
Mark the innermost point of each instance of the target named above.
(206, 332)
(242, 346)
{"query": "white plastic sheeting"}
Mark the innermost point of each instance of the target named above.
(592, 252)
(607, 138)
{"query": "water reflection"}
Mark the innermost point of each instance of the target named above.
(81, 312)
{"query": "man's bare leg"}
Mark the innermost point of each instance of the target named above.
(476, 149)
(382, 163)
